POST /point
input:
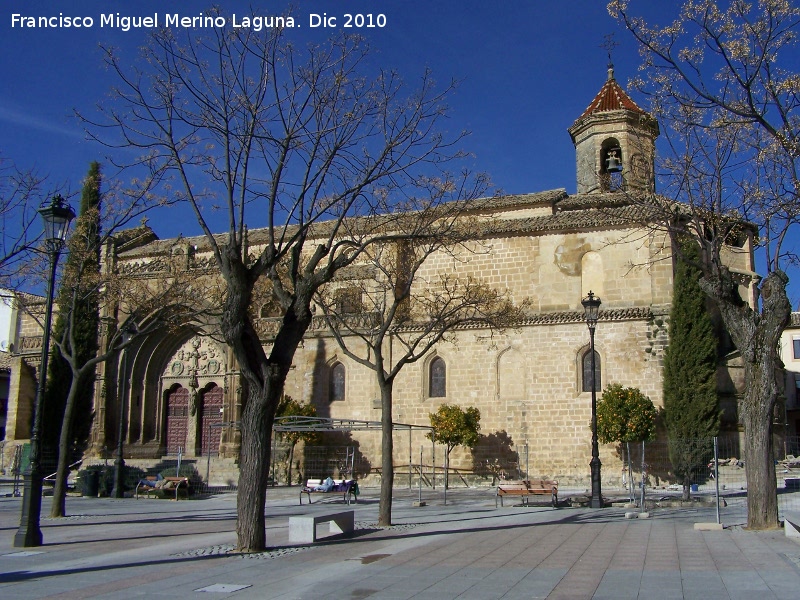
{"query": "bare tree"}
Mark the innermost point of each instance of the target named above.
(720, 80)
(398, 307)
(136, 301)
(22, 192)
(155, 310)
(255, 130)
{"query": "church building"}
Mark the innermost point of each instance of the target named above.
(179, 391)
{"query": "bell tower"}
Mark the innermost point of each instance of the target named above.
(614, 143)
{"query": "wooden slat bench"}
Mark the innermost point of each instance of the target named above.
(163, 487)
(525, 489)
(347, 487)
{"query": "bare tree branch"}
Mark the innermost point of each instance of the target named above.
(291, 145)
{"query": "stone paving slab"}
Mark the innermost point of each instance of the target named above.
(466, 549)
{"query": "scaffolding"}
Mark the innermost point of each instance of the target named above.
(326, 424)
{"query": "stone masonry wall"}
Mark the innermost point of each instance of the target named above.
(527, 381)
(537, 402)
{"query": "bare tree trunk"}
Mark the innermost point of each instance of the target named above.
(447, 468)
(259, 403)
(254, 459)
(59, 506)
(759, 454)
(264, 379)
(387, 455)
(756, 334)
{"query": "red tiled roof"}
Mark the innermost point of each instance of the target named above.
(611, 97)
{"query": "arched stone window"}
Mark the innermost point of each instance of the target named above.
(336, 384)
(348, 301)
(511, 375)
(586, 377)
(437, 378)
(270, 310)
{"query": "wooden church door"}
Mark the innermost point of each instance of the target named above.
(177, 419)
(210, 431)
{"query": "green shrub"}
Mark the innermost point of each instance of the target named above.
(105, 482)
(188, 470)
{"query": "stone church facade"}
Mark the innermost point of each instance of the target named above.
(180, 391)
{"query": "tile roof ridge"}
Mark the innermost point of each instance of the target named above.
(611, 97)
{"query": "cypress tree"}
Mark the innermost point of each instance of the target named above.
(77, 294)
(691, 405)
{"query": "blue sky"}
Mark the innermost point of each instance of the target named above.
(528, 69)
(526, 74)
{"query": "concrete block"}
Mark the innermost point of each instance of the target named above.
(708, 527)
(791, 524)
(303, 529)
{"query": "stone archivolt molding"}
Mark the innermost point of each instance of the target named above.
(197, 357)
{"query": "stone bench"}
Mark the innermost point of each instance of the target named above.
(791, 523)
(304, 529)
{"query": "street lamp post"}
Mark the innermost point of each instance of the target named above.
(56, 216)
(119, 465)
(591, 306)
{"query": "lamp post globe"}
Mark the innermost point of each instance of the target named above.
(591, 307)
(56, 216)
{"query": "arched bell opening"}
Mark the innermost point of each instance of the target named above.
(611, 164)
(611, 156)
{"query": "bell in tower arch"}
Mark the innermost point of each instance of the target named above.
(613, 160)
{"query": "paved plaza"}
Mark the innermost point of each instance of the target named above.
(466, 549)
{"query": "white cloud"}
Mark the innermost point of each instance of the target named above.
(21, 118)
